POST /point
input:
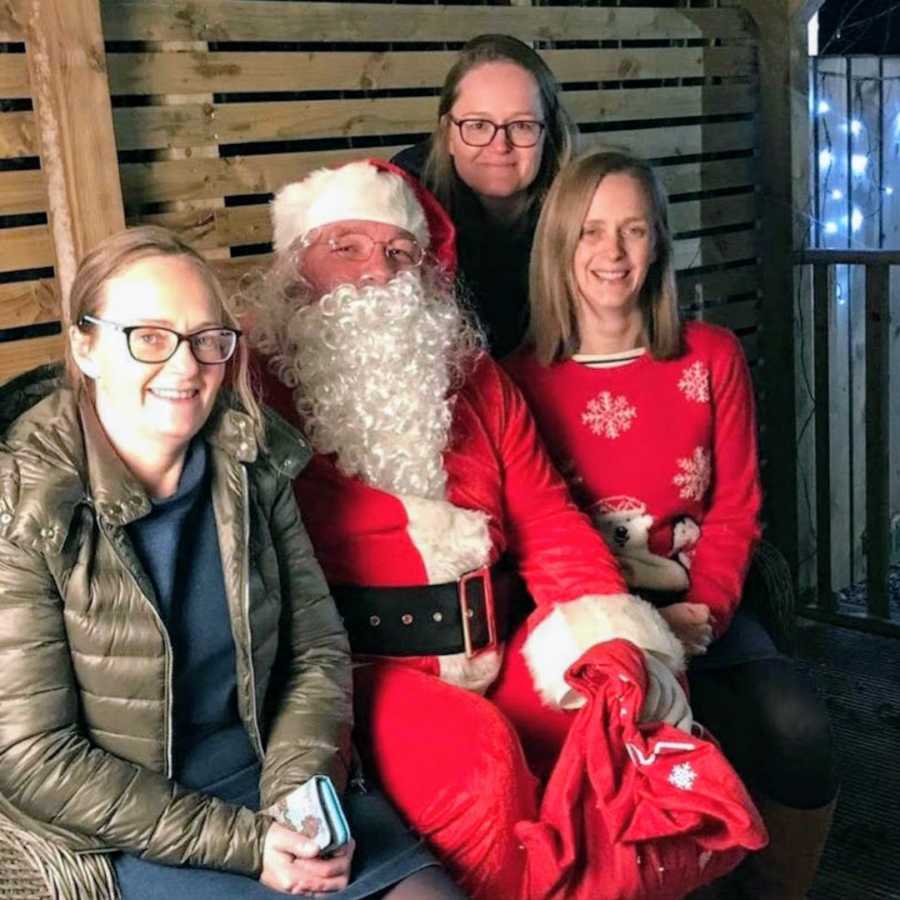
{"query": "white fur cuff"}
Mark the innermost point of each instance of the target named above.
(574, 627)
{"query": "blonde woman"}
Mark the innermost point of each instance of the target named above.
(652, 420)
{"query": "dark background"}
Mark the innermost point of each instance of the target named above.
(859, 26)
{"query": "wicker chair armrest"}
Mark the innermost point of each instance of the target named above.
(34, 868)
(769, 593)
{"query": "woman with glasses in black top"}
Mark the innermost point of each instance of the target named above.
(500, 139)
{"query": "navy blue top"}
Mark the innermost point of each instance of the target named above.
(178, 545)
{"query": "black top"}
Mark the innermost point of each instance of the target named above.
(493, 261)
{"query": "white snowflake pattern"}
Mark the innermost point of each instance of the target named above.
(694, 383)
(682, 776)
(608, 416)
(695, 475)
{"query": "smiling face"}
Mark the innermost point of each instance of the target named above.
(327, 263)
(615, 251)
(151, 410)
(499, 92)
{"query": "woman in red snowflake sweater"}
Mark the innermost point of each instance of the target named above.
(653, 423)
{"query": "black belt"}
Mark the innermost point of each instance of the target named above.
(465, 616)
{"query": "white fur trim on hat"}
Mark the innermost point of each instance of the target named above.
(355, 191)
(574, 627)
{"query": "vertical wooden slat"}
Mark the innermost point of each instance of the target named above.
(781, 84)
(67, 65)
(877, 437)
(822, 319)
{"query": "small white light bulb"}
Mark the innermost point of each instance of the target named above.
(858, 163)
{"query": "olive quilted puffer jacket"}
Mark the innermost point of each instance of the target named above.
(85, 690)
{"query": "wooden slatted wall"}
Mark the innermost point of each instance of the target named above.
(217, 103)
(28, 301)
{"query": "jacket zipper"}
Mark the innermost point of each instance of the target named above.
(245, 590)
(168, 645)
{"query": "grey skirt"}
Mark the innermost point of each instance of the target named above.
(387, 852)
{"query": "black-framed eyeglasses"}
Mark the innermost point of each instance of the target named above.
(404, 253)
(155, 344)
(522, 133)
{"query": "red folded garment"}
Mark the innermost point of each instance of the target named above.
(633, 811)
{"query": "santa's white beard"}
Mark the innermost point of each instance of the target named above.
(373, 368)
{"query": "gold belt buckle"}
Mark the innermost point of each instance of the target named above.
(466, 612)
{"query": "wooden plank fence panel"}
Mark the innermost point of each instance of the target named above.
(739, 316)
(715, 212)
(630, 63)
(29, 247)
(28, 303)
(242, 225)
(11, 29)
(147, 127)
(22, 191)
(17, 134)
(19, 356)
(715, 249)
(14, 82)
(190, 72)
(265, 20)
(195, 179)
(700, 289)
(712, 175)
(169, 66)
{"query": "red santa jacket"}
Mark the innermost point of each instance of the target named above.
(503, 494)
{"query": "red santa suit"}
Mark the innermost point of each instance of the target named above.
(446, 754)
(503, 495)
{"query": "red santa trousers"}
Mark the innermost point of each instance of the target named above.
(453, 765)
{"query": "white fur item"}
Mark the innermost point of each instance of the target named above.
(574, 627)
(355, 191)
(450, 539)
(476, 674)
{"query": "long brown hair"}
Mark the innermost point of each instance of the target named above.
(553, 293)
(439, 173)
(115, 254)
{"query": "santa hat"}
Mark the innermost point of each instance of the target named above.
(370, 190)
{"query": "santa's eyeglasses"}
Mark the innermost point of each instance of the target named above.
(403, 253)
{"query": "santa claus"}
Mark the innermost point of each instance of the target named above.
(427, 488)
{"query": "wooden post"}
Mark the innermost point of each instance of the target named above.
(823, 320)
(878, 327)
(70, 90)
(784, 177)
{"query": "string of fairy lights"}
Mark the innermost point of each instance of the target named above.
(855, 163)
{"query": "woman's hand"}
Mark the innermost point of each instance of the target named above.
(292, 865)
(692, 624)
